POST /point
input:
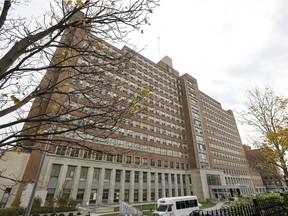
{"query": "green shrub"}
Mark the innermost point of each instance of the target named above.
(70, 214)
(36, 203)
(36, 215)
(13, 211)
(72, 203)
(53, 214)
(78, 213)
(61, 214)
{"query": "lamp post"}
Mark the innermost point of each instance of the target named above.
(30, 203)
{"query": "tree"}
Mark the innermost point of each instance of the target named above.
(64, 57)
(267, 113)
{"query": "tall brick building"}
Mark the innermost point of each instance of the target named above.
(187, 145)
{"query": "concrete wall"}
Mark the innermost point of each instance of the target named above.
(12, 166)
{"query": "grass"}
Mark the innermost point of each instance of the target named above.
(207, 205)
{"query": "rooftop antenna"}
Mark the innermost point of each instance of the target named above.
(159, 47)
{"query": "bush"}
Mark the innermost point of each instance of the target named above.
(78, 213)
(72, 203)
(49, 202)
(61, 214)
(36, 215)
(53, 214)
(70, 214)
(36, 203)
(14, 211)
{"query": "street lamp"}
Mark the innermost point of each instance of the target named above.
(30, 203)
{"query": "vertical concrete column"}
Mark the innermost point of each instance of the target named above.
(141, 186)
(131, 192)
(188, 189)
(163, 185)
(148, 187)
(75, 182)
(176, 185)
(156, 186)
(122, 185)
(46, 176)
(181, 185)
(112, 186)
(88, 186)
(100, 186)
(170, 184)
(61, 178)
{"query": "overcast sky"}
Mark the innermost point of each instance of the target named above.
(227, 45)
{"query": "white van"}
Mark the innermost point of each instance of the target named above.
(176, 206)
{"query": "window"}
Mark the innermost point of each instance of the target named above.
(84, 172)
(159, 163)
(213, 180)
(127, 176)
(87, 154)
(55, 170)
(109, 157)
(128, 159)
(74, 152)
(178, 179)
(119, 158)
(136, 177)
(137, 160)
(166, 164)
(70, 172)
(99, 155)
(171, 164)
(152, 162)
(159, 177)
(96, 174)
(144, 177)
(166, 178)
(61, 150)
(118, 176)
(105, 194)
(152, 177)
(107, 175)
(172, 179)
(80, 195)
(144, 161)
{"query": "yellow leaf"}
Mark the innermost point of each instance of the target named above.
(17, 149)
(68, 3)
(100, 46)
(134, 101)
(113, 3)
(145, 93)
(145, 20)
(40, 132)
(55, 106)
(66, 84)
(15, 100)
(79, 3)
(65, 63)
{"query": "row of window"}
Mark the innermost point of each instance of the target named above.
(224, 149)
(225, 155)
(119, 158)
(228, 163)
(161, 177)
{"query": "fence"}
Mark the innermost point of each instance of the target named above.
(258, 208)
